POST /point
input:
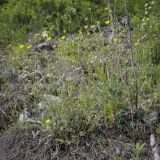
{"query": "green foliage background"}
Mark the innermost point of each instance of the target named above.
(21, 17)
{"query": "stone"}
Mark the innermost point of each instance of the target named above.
(43, 46)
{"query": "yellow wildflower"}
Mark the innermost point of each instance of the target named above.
(88, 33)
(85, 27)
(93, 26)
(116, 40)
(48, 120)
(49, 38)
(63, 37)
(21, 46)
(107, 22)
(136, 44)
(86, 19)
(29, 46)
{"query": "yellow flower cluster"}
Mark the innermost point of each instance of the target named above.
(48, 38)
(88, 33)
(136, 44)
(107, 22)
(29, 46)
(63, 37)
(116, 40)
(48, 120)
(93, 26)
(86, 27)
(22, 46)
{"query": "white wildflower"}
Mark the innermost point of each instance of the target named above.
(146, 5)
(44, 34)
(146, 12)
(143, 19)
(153, 2)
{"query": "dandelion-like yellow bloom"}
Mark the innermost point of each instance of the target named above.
(48, 120)
(107, 22)
(63, 37)
(29, 46)
(49, 38)
(116, 40)
(85, 27)
(93, 26)
(21, 46)
(136, 44)
(88, 33)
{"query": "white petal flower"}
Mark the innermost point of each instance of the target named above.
(44, 34)
(153, 2)
(146, 12)
(146, 5)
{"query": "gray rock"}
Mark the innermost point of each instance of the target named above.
(43, 46)
(125, 20)
(153, 117)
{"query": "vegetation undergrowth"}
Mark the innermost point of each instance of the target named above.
(88, 95)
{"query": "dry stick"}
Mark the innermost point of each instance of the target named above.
(111, 17)
(135, 96)
(117, 150)
(154, 147)
(132, 56)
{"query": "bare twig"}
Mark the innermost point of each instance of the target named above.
(108, 3)
(3, 112)
(154, 147)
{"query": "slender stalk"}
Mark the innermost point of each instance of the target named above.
(132, 55)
